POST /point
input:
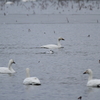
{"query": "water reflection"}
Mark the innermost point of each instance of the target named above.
(93, 89)
(28, 87)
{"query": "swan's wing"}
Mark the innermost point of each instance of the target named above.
(50, 46)
(27, 81)
(4, 70)
(35, 81)
(31, 81)
(94, 83)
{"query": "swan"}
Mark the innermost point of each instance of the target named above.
(53, 46)
(31, 80)
(9, 69)
(92, 82)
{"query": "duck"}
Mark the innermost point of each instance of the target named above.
(48, 52)
(30, 80)
(53, 46)
(92, 82)
(51, 52)
(9, 69)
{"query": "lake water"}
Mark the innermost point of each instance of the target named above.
(61, 73)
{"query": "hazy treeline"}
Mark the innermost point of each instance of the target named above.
(53, 0)
(87, 4)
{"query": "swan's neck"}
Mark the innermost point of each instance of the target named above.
(90, 76)
(27, 73)
(58, 42)
(9, 66)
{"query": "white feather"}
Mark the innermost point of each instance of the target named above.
(31, 80)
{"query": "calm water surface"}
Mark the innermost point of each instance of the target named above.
(61, 73)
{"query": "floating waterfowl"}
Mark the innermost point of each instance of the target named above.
(31, 80)
(9, 69)
(92, 82)
(53, 46)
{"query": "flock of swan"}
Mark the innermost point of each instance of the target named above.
(27, 81)
(35, 81)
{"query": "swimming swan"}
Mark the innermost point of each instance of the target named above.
(31, 80)
(92, 82)
(9, 69)
(53, 46)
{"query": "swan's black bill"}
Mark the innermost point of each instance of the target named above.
(13, 62)
(84, 73)
(98, 85)
(63, 39)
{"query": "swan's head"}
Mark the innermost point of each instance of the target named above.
(27, 70)
(61, 38)
(11, 61)
(88, 71)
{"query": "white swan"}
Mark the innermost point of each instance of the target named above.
(9, 69)
(31, 80)
(53, 46)
(92, 82)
